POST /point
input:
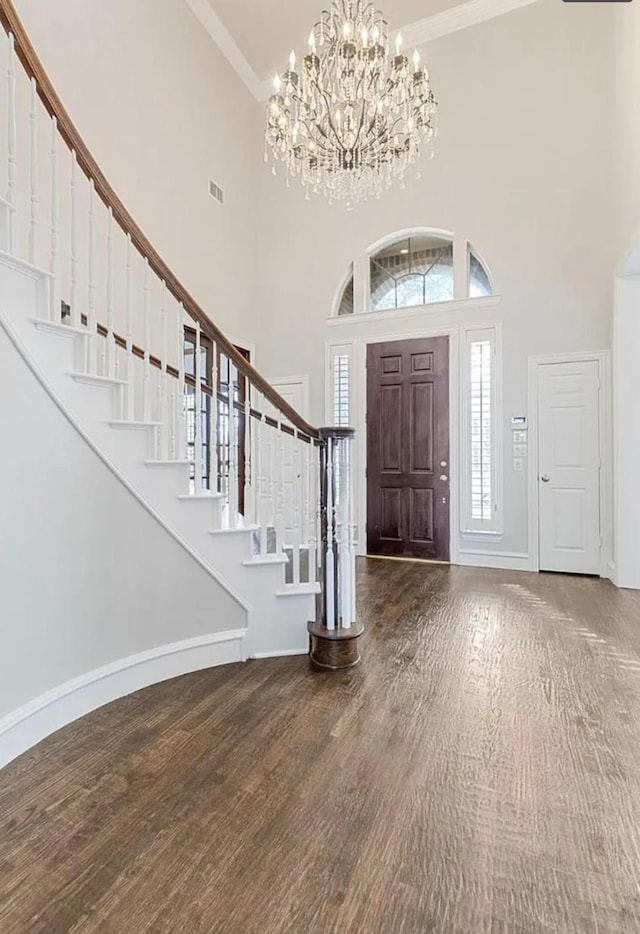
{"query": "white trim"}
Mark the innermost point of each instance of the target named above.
(501, 560)
(405, 233)
(491, 537)
(603, 359)
(177, 537)
(458, 17)
(337, 298)
(288, 653)
(23, 728)
(467, 530)
(205, 13)
(460, 304)
(302, 381)
(471, 13)
(359, 401)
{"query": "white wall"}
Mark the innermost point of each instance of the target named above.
(523, 170)
(87, 576)
(626, 150)
(163, 113)
(627, 431)
(626, 135)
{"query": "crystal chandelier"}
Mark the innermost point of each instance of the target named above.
(354, 116)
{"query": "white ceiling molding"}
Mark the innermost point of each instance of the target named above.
(424, 30)
(227, 45)
(458, 17)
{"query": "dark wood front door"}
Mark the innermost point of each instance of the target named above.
(408, 449)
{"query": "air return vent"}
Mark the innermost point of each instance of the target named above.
(216, 192)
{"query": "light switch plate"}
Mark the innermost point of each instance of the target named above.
(520, 437)
(519, 450)
(518, 465)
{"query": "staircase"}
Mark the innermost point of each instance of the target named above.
(253, 492)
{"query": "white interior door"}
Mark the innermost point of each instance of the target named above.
(569, 467)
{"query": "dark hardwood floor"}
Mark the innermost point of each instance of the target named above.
(479, 774)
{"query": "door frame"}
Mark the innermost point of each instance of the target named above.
(359, 397)
(603, 359)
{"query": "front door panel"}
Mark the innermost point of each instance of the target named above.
(408, 448)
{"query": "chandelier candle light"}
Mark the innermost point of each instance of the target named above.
(354, 116)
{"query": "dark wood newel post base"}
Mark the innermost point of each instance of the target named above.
(334, 649)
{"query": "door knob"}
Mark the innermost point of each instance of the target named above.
(444, 477)
(545, 478)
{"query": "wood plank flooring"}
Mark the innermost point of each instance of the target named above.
(479, 774)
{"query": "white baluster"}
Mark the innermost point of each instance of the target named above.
(164, 447)
(271, 478)
(33, 173)
(55, 208)
(315, 540)
(76, 317)
(233, 451)
(261, 499)
(343, 536)
(110, 345)
(214, 440)
(11, 137)
(53, 263)
(306, 509)
(250, 513)
(352, 530)
(146, 316)
(180, 409)
(281, 494)
(198, 412)
(330, 570)
(297, 507)
(130, 410)
(92, 340)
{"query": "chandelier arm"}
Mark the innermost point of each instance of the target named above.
(329, 120)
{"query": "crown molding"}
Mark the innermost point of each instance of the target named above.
(204, 12)
(416, 34)
(458, 17)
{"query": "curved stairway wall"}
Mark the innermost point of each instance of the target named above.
(97, 599)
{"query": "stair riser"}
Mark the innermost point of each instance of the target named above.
(26, 292)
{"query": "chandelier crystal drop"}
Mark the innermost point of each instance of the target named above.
(353, 117)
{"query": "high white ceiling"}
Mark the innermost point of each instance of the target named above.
(267, 30)
(256, 36)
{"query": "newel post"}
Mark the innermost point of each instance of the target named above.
(335, 635)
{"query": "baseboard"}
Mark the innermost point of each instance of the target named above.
(28, 725)
(288, 653)
(499, 560)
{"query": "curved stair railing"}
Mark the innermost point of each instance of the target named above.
(178, 374)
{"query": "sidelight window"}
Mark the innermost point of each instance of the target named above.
(341, 380)
(481, 507)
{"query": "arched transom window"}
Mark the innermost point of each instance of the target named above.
(415, 270)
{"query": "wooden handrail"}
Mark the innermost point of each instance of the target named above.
(54, 107)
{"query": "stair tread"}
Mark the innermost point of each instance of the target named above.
(266, 559)
(134, 425)
(53, 327)
(294, 590)
(98, 380)
(243, 528)
(199, 497)
(180, 463)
